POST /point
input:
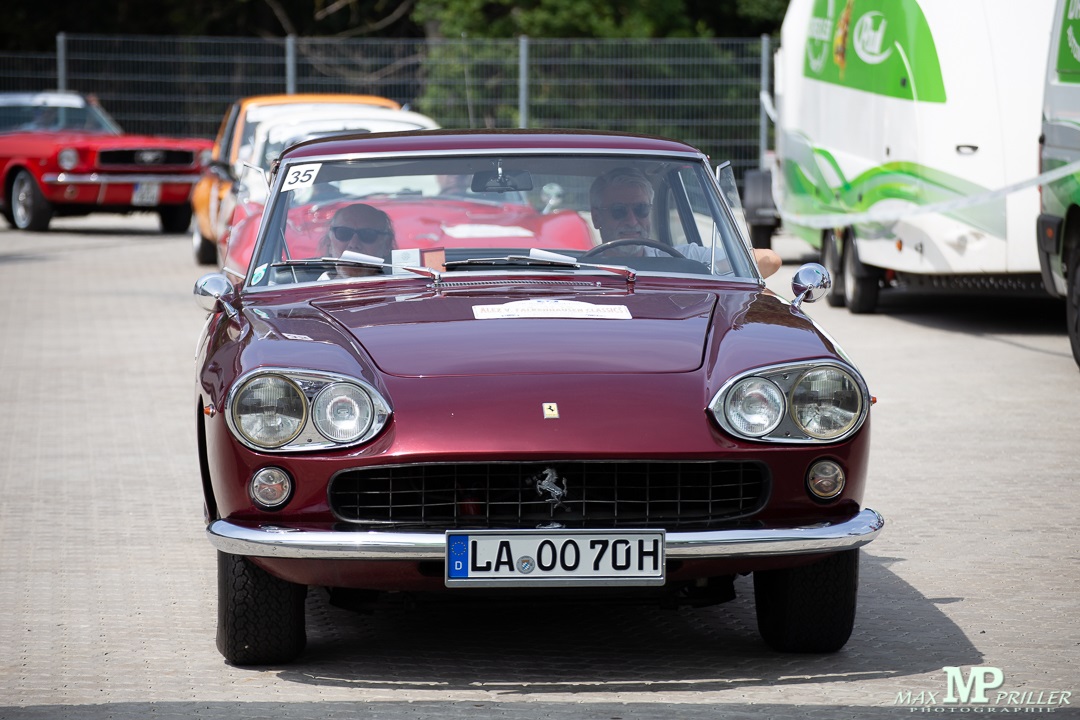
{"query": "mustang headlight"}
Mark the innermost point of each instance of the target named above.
(820, 401)
(826, 402)
(342, 412)
(754, 406)
(269, 411)
(68, 158)
(288, 410)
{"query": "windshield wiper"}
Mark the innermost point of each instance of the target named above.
(329, 261)
(526, 261)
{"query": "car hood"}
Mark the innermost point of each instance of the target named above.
(657, 331)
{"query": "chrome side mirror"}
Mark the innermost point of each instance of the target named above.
(811, 282)
(214, 292)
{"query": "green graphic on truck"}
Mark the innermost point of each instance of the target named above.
(1068, 58)
(869, 45)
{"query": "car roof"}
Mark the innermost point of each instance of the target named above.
(483, 140)
(274, 128)
(51, 99)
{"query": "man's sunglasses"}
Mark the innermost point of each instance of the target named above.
(366, 235)
(621, 211)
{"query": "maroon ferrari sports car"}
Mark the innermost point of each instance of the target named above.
(522, 363)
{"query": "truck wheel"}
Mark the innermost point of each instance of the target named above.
(1072, 302)
(761, 236)
(175, 218)
(861, 282)
(29, 208)
(808, 609)
(260, 617)
(830, 258)
(205, 251)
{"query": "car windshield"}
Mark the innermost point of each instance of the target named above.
(356, 220)
(42, 116)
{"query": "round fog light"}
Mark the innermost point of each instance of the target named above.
(271, 487)
(825, 480)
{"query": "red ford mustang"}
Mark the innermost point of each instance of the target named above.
(475, 362)
(61, 154)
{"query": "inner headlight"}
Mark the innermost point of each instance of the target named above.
(68, 158)
(342, 412)
(754, 406)
(826, 402)
(269, 411)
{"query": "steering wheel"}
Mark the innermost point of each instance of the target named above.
(604, 247)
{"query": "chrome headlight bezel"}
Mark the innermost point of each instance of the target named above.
(787, 377)
(310, 383)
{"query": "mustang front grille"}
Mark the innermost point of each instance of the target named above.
(668, 495)
(147, 159)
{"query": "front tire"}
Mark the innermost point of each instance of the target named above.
(29, 208)
(830, 258)
(205, 250)
(1072, 301)
(175, 219)
(861, 282)
(260, 617)
(808, 609)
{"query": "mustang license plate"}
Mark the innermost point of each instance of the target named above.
(146, 194)
(520, 558)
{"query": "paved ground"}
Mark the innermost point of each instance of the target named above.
(107, 595)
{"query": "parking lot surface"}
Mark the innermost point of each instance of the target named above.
(108, 586)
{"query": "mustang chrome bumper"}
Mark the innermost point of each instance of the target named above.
(284, 542)
(118, 179)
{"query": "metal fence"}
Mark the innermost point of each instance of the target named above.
(702, 91)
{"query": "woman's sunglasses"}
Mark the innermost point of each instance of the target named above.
(620, 211)
(366, 235)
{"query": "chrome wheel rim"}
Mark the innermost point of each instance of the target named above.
(22, 200)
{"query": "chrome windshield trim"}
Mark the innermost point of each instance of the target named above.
(281, 541)
(105, 179)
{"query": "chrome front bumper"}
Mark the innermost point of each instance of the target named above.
(284, 542)
(118, 179)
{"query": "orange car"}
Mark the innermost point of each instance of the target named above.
(234, 140)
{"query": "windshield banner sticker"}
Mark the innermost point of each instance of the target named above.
(551, 309)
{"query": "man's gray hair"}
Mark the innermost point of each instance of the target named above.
(619, 176)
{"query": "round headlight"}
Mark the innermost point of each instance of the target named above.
(271, 487)
(269, 411)
(754, 406)
(826, 402)
(68, 158)
(343, 412)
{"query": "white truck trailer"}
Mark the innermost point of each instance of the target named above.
(901, 125)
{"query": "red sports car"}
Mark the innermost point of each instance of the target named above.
(61, 154)
(522, 362)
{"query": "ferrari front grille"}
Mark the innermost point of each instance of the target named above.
(575, 494)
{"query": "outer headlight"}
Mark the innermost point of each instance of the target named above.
(342, 412)
(754, 406)
(826, 402)
(269, 411)
(68, 158)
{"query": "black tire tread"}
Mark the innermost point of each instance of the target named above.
(260, 617)
(808, 609)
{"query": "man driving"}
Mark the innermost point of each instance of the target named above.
(622, 204)
(358, 228)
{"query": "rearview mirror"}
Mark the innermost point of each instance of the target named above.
(500, 180)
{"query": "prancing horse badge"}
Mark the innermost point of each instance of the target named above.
(551, 411)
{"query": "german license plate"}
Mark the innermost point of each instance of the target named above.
(146, 194)
(520, 558)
